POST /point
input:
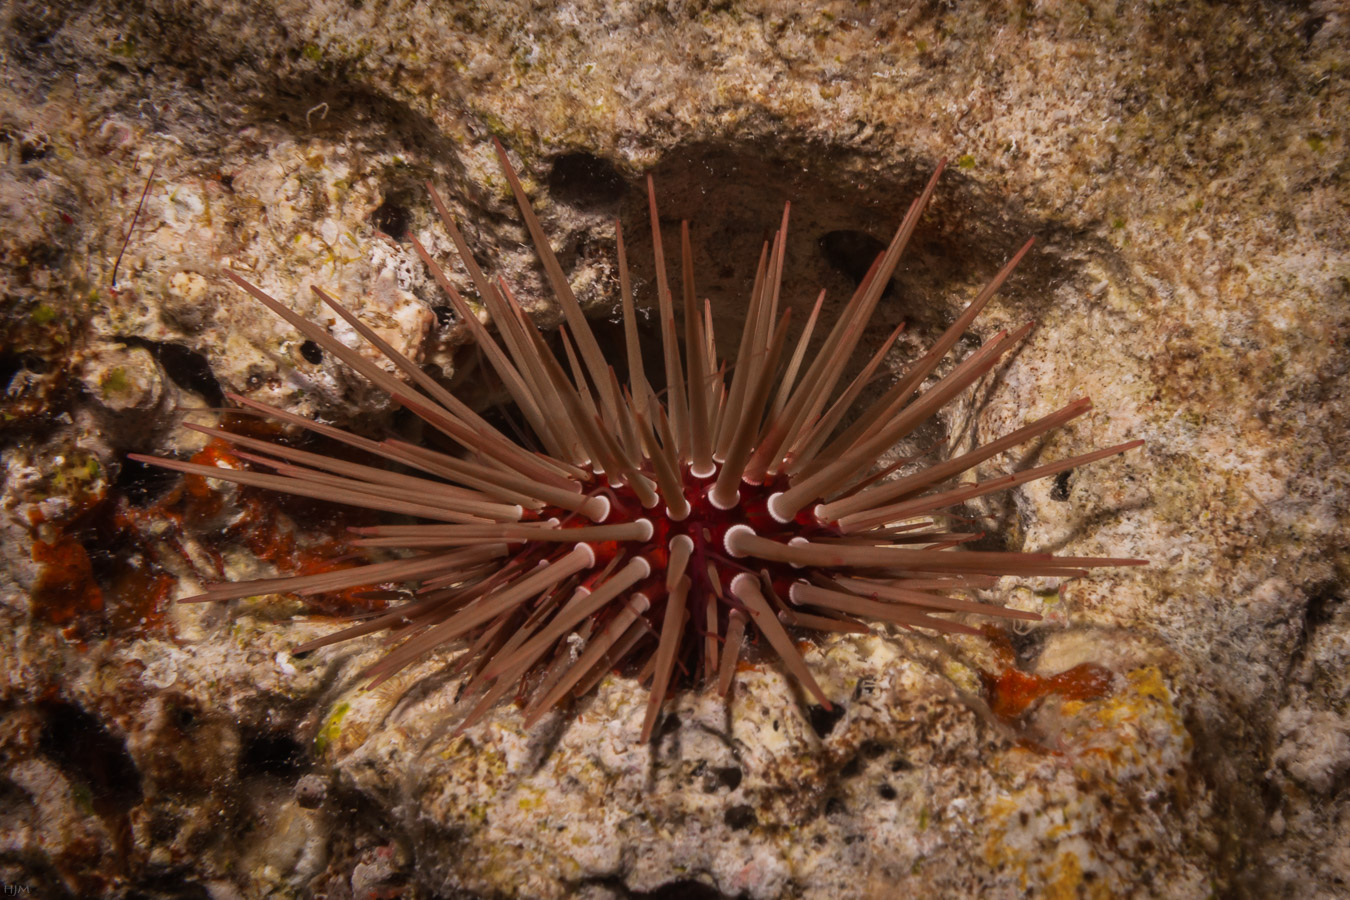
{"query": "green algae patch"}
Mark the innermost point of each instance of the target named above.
(331, 728)
(114, 382)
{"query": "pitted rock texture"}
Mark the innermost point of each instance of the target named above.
(1183, 167)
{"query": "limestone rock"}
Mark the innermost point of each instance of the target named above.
(1175, 731)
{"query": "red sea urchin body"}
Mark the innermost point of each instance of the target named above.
(664, 533)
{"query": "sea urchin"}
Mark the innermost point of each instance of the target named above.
(663, 533)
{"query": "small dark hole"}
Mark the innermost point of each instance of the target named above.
(167, 886)
(740, 817)
(729, 776)
(393, 216)
(164, 826)
(580, 179)
(79, 744)
(886, 791)
(1311, 26)
(823, 720)
(187, 368)
(834, 806)
(37, 364)
(689, 889)
(271, 753)
(142, 484)
(670, 724)
(900, 764)
(445, 316)
(10, 364)
(183, 718)
(850, 768)
(1060, 491)
(852, 253)
(312, 352)
(190, 370)
(1028, 644)
(872, 749)
(29, 152)
(1321, 607)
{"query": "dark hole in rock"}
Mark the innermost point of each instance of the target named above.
(852, 253)
(164, 826)
(183, 718)
(670, 724)
(993, 539)
(872, 749)
(168, 887)
(580, 179)
(88, 753)
(729, 776)
(312, 352)
(12, 798)
(1060, 491)
(1311, 26)
(1322, 605)
(142, 485)
(10, 364)
(271, 753)
(823, 720)
(188, 368)
(886, 792)
(28, 151)
(900, 764)
(1027, 645)
(850, 768)
(445, 316)
(740, 817)
(834, 806)
(689, 889)
(394, 216)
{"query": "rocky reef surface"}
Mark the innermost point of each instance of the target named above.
(1176, 731)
